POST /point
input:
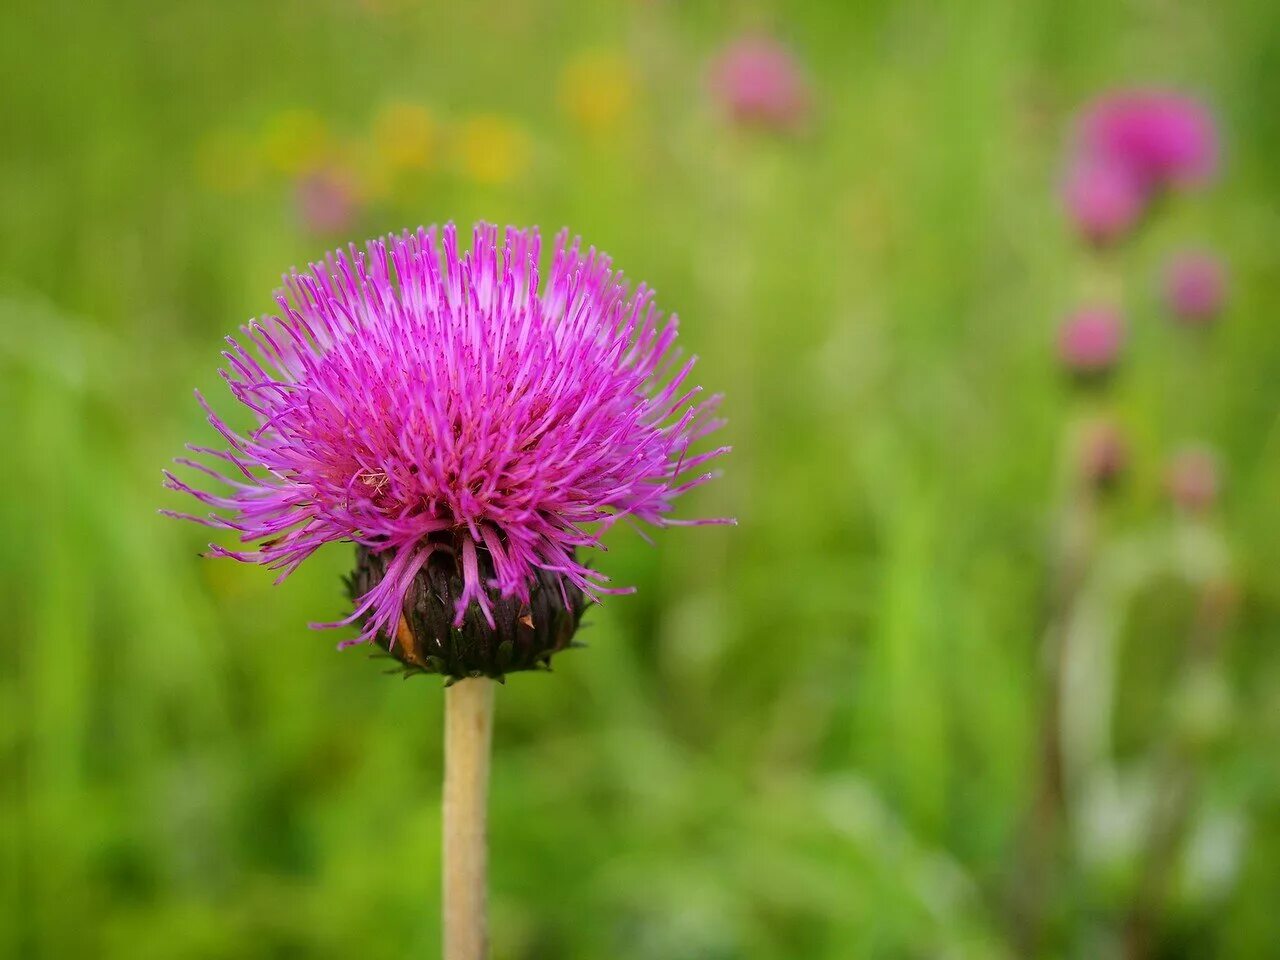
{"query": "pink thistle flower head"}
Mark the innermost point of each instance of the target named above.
(759, 82)
(1103, 200)
(1090, 340)
(1193, 478)
(1103, 454)
(1162, 138)
(1195, 287)
(469, 427)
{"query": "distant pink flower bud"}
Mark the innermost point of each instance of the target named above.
(1103, 454)
(758, 81)
(1195, 287)
(1089, 340)
(1164, 139)
(1103, 200)
(1193, 478)
(326, 201)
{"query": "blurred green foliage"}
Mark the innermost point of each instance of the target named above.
(814, 735)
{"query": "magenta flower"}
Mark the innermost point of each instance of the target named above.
(1195, 287)
(432, 405)
(1132, 146)
(758, 82)
(1089, 340)
(1103, 200)
(1163, 139)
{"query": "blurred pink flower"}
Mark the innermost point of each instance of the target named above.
(1195, 287)
(1164, 139)
(1090, 339)
(326, 201)
(1103, 200)
(1193, 478)
(1131, 146)
(758, 81)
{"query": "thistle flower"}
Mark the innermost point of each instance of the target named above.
(758, 82)
(467, 429)
(1103, 200)
(1162, 138)
(1089, 341)
(1131, 147)
(1195, 287)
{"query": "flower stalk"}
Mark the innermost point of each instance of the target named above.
(468, 733)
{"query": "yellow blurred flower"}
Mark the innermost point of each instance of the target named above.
(493, 149)
(296, 141)
(404, 135)
(596, 90)
(226, 162)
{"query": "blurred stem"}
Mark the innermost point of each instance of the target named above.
(1168, 825)
(1070, 555)
(468, 732)
(1178, 780)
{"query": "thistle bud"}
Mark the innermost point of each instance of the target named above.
(522, 636)
(1104, 201)
(1193, 479)
(1103, 455)
(1090, 341)
(1195, 288)
(759, 82)
(327, 201)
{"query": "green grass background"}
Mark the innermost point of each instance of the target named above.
(810, 736)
